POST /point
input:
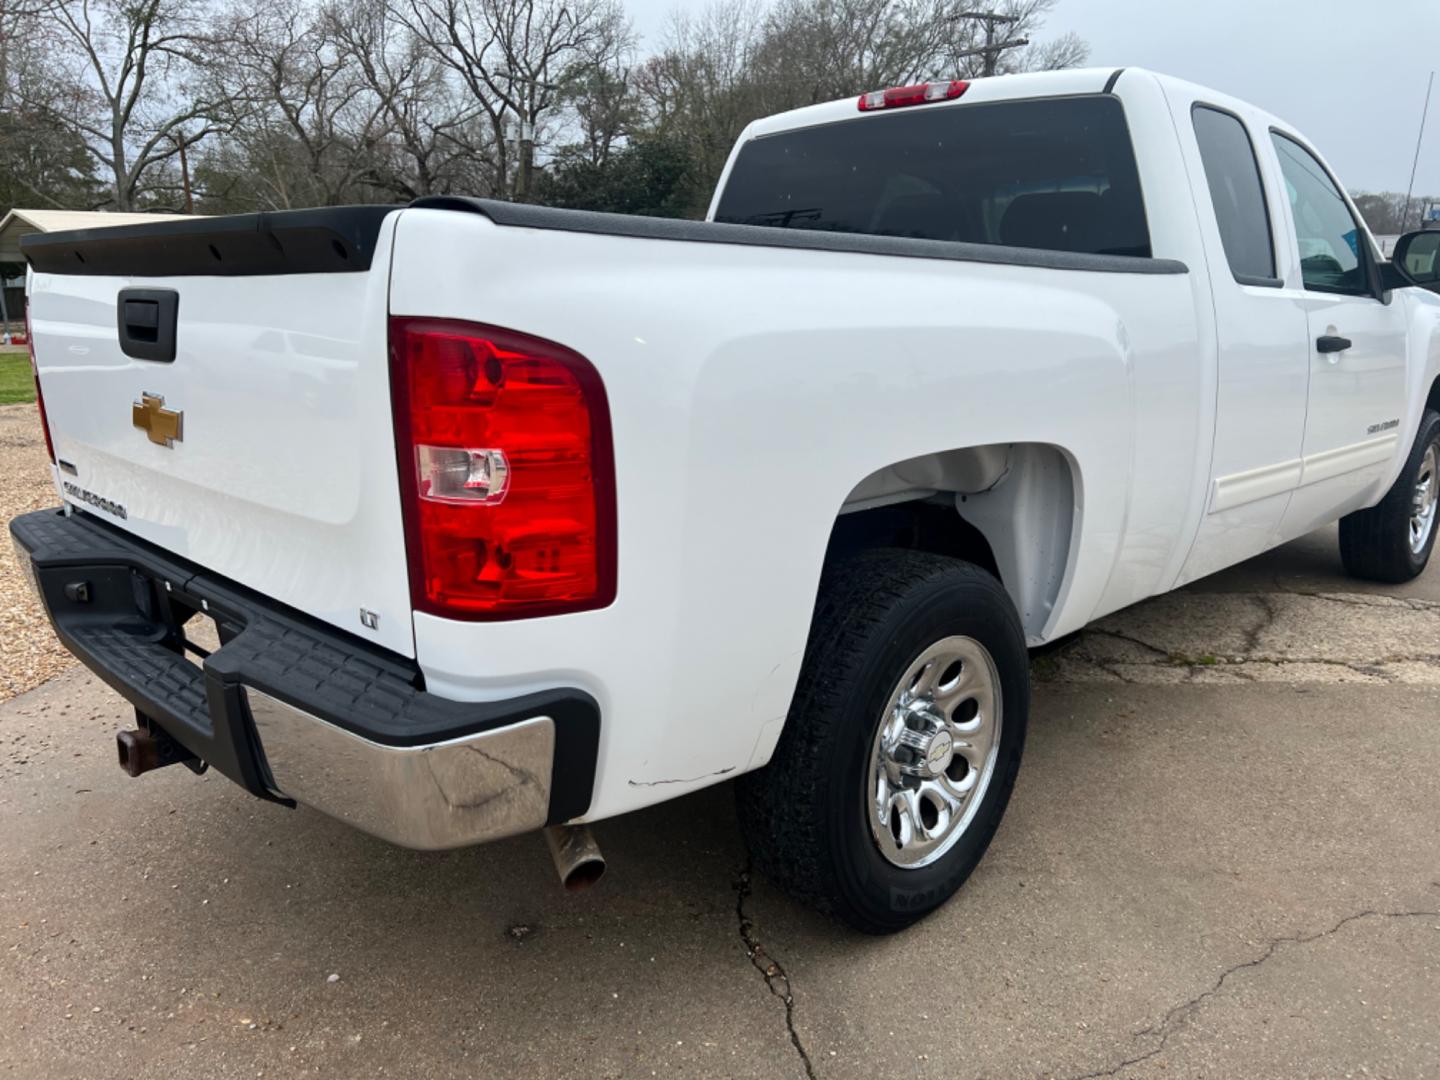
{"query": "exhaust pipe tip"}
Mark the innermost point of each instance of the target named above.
(576, 856)
(584, 874)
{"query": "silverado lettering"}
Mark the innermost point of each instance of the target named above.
(89, 498)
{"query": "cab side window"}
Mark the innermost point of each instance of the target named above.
(1233, 176)
(1331, 259)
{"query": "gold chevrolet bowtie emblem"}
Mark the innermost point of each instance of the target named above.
(162, 425)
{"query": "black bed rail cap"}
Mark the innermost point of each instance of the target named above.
(327, 240)
(529, 216)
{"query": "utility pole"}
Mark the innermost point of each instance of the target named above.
(185, 173)
(992, 49)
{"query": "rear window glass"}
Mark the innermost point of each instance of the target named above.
(1052, 173)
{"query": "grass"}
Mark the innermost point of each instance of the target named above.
(16, 383)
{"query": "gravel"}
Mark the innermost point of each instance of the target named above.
(29, 651)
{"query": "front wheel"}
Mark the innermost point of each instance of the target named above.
(902, 744)
(1392, 541)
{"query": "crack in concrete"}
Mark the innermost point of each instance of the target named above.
(776, 980)
(1268, 614)
(1126, 638)
(1111, 669)
(1414, 603)
(1368, 667)
(1374, 667)
(1175, 1017)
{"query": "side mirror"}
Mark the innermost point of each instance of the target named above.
(1417, 259)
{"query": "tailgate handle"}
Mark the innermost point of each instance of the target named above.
(142, 319)
(146, 322)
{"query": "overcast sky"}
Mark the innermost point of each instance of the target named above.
(1351, 76)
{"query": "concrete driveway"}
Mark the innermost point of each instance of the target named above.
(1222, 859)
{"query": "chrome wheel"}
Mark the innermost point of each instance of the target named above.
(934, 753)
(1422, 506)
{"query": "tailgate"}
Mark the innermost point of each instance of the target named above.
(264, 450)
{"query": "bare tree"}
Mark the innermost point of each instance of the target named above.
(601, 94)
(514, 58)
(298, 103)
(1065, 51)
(287, 103)
(431, 141)
(41, 163)
(704, 87)
(817, 50)
(1388, 212)
(18, 29)
(123, 82)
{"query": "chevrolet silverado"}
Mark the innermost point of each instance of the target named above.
(503, 518)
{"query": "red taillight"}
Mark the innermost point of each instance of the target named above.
(39, 394)
(919, 94)
(506, 472)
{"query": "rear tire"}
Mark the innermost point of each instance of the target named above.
(1392, 541)
(915, 684)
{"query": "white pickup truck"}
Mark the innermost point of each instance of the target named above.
(509, 517)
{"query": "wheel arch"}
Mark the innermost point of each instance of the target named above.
(1011, 508)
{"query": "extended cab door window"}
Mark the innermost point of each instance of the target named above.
(1233, 176)
(1052, 173)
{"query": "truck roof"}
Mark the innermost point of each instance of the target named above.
(1033, 84)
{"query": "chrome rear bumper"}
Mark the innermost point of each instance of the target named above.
(297, 711)
(442, 795)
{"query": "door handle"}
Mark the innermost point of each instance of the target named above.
(1329, 343)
